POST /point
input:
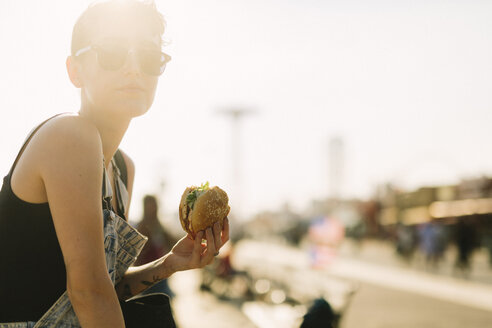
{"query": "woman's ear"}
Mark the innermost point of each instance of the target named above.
(73, 72)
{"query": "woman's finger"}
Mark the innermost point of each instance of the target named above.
(225, 231)
(197, 249)
(209, 253)
(217, 240)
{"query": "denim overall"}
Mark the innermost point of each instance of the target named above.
(122, 244)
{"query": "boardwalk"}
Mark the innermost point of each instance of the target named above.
(388, 295)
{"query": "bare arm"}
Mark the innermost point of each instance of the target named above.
(188, 253)
(70, 166)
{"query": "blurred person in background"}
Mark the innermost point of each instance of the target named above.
(487, 243)
(320, 314)
(406, 241)
(357, 232)
(432, 243)
(466, 240)
(66, 244)
(325, 235)
(159, 242)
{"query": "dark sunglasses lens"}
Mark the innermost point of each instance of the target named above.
(152, 62)
(111, 57)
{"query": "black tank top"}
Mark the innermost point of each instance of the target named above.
(32, 270)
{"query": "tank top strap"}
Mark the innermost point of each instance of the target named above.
(29, 137)
(120, 192)
(107, 192)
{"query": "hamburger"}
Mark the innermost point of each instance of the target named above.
(201, 207)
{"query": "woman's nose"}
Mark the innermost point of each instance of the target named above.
(131, 64)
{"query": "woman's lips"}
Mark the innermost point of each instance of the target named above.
(132, 87)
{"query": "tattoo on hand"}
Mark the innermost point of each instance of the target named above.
(150, 283)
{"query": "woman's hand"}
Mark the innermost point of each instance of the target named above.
(189, 253)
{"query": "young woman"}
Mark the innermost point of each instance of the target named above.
(66, 246)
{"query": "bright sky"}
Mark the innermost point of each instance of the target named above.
(406, 84)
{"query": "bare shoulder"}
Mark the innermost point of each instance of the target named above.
(67, 139)
(62, 144)
(69, 130)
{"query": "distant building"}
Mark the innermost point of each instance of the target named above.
(471, 197)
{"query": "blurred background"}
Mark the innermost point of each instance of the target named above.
(351, 137)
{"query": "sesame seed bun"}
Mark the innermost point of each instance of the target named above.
(209, 207)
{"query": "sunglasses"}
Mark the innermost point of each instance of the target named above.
(112, 57)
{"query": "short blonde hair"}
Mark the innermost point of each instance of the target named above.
(139, 10)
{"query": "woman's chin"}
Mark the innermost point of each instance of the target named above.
(132, 110)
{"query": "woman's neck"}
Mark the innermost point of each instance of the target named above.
(111, 129)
